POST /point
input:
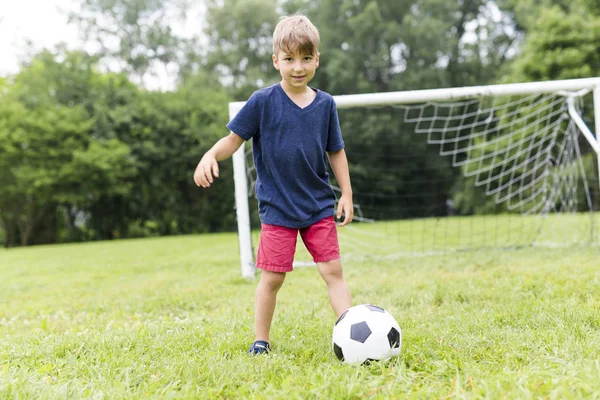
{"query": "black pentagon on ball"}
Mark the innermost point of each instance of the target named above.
(394, 338)
(374, 308)
(341, 317)
(338, 352)
(360, 332)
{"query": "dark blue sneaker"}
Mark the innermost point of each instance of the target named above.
(259, 347)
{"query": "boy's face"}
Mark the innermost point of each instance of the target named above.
(296, 69)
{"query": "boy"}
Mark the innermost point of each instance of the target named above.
(293, 128)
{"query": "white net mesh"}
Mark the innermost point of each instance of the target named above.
(525, 152)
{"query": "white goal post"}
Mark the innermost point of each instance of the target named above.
(571, 89)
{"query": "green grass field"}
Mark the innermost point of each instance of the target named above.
(172, 318)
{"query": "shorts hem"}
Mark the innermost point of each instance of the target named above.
(274, 267)
(327, 257)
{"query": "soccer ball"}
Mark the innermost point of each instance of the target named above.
(366, 333)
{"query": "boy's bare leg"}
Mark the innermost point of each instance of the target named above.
(266, 298)
(337, 288)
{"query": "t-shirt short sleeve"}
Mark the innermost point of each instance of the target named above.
(334, 140)
(246, 122)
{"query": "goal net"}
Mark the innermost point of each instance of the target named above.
(447, 170)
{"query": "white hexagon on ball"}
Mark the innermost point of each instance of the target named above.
(366, 333)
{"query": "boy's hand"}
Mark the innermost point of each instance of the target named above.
(346, 207)
(206, 169)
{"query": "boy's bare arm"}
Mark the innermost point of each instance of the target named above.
(208, 165)
(339, 164)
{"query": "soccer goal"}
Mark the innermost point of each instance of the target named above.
(446, 170)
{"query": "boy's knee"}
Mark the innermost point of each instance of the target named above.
(272, 281)
(330, 270)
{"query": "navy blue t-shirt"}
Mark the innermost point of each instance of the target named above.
(290, 146)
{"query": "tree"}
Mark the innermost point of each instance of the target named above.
(50, 159)
(559, 47)
(240, 44)
(167, 134)
(135, 34)
(89, 155)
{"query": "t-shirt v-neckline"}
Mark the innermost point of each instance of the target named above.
(293, 103)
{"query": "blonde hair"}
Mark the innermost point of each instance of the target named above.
(296, 33)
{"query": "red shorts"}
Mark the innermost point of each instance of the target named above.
(277, 244)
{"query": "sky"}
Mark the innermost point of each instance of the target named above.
(40, 21)
(45, 23)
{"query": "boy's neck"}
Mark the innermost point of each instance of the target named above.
(293, 91)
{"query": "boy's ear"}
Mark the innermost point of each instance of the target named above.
(275, 62)
(317, 58)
